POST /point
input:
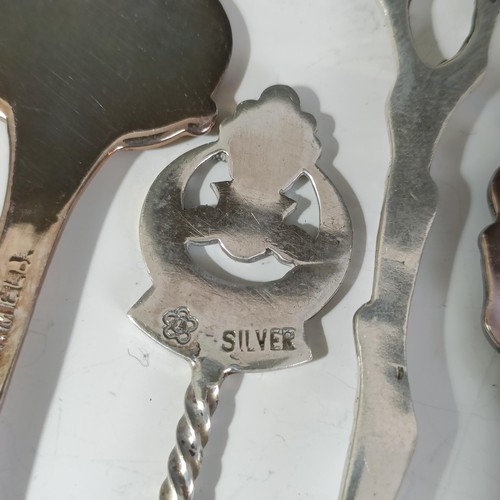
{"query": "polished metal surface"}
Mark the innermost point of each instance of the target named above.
(220, 324)
(423, 98)
(489, 243)
(78, 81)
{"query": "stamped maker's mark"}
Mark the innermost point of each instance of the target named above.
(10, 293)
(179, 325)
(274, 339)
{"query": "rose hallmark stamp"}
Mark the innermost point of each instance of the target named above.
(179, 325)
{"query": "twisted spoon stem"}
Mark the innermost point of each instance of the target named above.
(193, 430)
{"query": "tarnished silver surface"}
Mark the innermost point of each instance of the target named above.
(78, 81)
(221, 325)
(423, 98)
(489, 243)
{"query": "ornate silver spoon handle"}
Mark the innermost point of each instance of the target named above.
(423, 98)
(220, 325)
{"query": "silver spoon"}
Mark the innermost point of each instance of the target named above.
(423, 98)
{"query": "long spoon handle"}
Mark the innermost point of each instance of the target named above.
(422, 100)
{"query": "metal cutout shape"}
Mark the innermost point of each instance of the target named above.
(268, 144)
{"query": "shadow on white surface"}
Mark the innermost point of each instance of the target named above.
(32, 385)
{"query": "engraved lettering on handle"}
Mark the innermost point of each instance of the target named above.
(10, 293)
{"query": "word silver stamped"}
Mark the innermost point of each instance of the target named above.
(221, 325)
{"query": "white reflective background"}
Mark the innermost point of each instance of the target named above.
(93, 404)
